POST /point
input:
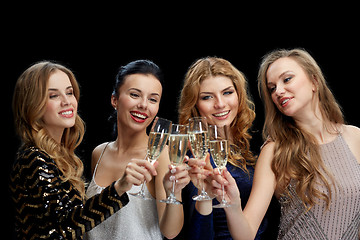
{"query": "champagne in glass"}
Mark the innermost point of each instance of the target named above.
(199, 142)
(218, 144)
(156, 143)
(178, 142)
(218, 150)
(158, 136)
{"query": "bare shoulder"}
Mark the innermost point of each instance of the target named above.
(96, 154)
(351, 130)
(267, 152)
(98, 149)
(351, 135)
(263, 171)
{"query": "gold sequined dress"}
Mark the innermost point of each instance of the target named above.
(46, 207)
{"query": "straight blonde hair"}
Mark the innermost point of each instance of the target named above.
(296, 153)
(29, 103)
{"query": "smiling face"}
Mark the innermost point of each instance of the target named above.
(138, 101)
(61, 106)
(290, 87)
(218, 100)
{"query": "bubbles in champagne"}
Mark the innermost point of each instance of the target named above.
(177, 148)
(199, 143)
(218, 150)
(156, 144)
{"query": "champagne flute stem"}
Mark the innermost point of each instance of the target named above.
(202, 184)
(143, 188)
(223, 195)
(173, 189)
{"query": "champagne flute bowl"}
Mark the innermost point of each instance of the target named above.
(198, 135)
(219, 149)
(178, 142)
(159, 134)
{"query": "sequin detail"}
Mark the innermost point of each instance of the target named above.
(342, 220)
(47, 207)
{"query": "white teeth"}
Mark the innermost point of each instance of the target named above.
(221, 114)
(139, 115)
(66, 113)
(285, 101)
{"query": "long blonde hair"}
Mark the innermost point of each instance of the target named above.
(209, 67)
(29, 104)
(296, 153)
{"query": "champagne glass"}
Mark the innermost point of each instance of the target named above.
(218, 144)
(178, 142)
(198, 135)
(159, 133)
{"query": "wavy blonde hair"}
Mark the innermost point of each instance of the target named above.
(210, 67)
(296, 153)
(29, 105)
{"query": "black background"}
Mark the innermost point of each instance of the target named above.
(94, 41)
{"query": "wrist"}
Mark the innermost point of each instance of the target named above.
(234, 209)
(204, 207)
(118, 188)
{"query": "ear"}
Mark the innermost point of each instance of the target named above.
(315, 83)
(114, 101)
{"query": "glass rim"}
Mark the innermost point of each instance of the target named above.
(198, 117)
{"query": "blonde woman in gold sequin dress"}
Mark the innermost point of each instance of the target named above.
(310, 161)
(46, 179)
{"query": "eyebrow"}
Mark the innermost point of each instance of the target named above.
(225, 89)
(55, 89)
(280, 76)
(138, 90)
(284, 73)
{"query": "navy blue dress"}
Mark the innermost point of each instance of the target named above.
(214, 225)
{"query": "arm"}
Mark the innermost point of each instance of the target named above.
(171, 216)
(196, 226)
(49, 207)
(200, 224)
(243, 224)
(136, 171)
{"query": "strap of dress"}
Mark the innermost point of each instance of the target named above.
(97, 164)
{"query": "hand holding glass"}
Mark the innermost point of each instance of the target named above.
(218, 143)
(178, 142)
(159, 133)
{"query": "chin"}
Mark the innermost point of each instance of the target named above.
(69, 125)
(289, 113)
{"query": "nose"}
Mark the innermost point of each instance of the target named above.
(143, 104)
(65, 100)
(280, 90)
(219, 103)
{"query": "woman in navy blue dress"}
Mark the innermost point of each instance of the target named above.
(215, 89)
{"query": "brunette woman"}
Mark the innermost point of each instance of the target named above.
(136, 99)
